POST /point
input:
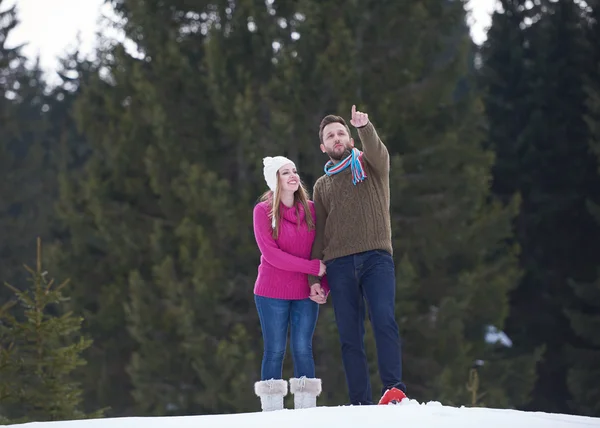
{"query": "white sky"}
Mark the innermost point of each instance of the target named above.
(52, 26)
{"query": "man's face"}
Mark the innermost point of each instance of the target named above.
(336, 141)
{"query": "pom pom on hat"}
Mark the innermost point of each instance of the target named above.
(271, 166)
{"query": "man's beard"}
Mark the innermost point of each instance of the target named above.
(336, 158)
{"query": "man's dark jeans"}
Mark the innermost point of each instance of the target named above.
(353, 279)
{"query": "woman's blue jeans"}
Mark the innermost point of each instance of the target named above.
(276, 317)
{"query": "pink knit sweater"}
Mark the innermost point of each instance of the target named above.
(284, 262)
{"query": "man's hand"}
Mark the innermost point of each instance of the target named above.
(358, 119)
(317, 294)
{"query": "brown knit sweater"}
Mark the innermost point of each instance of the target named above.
(354, 218)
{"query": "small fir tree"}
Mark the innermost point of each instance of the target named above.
(40, 347)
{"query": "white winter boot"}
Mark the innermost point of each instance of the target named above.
(305, 390)
(271, 393)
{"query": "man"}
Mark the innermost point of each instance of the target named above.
(353, 237)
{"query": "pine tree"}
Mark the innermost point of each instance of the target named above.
(42, 346)
(9, 57)
(68, 153)
(536, 108)
(26, 179)
(583, 375)
(455, 268)
(559, 141)
(8, 371)
(159, 216)
(506, 80)
(457, 265)
(164, 230)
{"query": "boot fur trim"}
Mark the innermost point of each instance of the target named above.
(271, 387)
(304, 384)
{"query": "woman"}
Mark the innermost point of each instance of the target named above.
(284, 228)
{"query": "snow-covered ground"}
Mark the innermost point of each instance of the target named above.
(408, 414)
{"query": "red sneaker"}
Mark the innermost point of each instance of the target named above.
(392, 396)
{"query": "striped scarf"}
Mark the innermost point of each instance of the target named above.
(354, 160)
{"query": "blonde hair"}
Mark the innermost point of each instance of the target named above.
(274, 199)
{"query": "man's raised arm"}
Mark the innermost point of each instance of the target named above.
(375, 152)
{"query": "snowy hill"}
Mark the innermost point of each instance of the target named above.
(408, 414)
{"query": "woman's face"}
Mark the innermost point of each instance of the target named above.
(289, 180)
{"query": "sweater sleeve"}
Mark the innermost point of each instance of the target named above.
(319, 243)
(325, 285)
(375, 152)
(274, 255)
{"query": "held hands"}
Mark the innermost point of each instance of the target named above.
(316, 291)
(359, 119)
(317, 294)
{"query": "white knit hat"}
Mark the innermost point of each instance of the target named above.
(271, 166)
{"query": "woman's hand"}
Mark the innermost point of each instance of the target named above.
(322, 268)
(317, 294)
